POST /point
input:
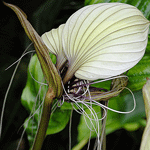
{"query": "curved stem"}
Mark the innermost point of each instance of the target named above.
(45, 117)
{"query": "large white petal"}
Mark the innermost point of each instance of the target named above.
(104, 40)
(52, 40)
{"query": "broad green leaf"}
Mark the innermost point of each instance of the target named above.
(58, 121)
(145, 145)
(139, 111)
(32, 98)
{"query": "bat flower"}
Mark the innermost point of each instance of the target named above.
(99, 41)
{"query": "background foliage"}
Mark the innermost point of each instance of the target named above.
(45, 16)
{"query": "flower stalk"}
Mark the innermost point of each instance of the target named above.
(40, 136)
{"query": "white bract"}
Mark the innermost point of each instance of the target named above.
(100, 40)
(53, 41)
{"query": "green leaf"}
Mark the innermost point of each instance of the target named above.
(84, 131)
(58, 121)
(139, 111)
(32, 99)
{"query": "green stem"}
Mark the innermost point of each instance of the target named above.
(45, 117)
(81, 144)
